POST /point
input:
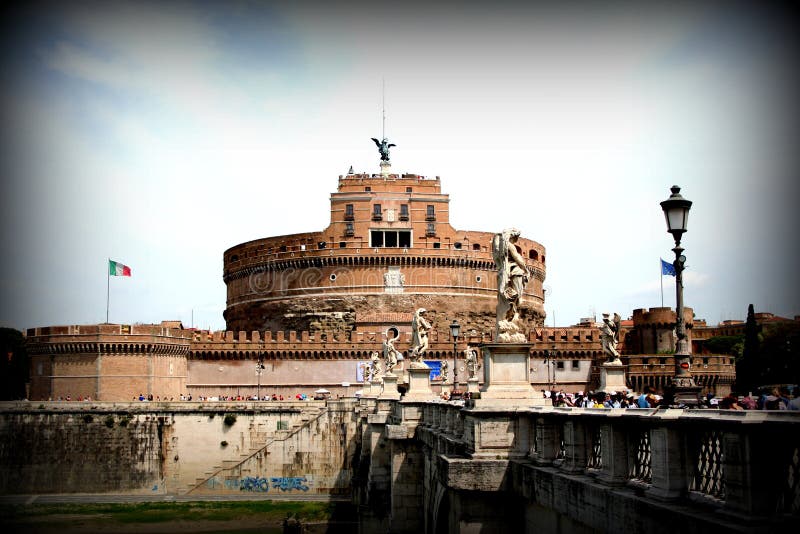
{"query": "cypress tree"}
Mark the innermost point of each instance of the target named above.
(747, 368)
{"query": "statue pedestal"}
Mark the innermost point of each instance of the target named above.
(506, 376)
(419, 384)
(386, 168)
(472, 385)
(389, 388)
(371, 389)
(612, 377)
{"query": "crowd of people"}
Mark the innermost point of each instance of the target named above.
(141, 397)
(773, 399)
(777, 398)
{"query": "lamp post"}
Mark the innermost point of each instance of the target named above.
(550, 360)
(676, 212)
(259, 368)
(455, 330)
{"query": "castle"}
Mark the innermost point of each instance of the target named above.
(305, 311)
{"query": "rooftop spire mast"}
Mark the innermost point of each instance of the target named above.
(383, 94)
(384, 145)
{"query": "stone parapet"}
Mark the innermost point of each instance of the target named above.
(567, 463)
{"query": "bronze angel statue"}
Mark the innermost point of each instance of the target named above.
(383, 148)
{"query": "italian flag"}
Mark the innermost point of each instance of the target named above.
(117, 269)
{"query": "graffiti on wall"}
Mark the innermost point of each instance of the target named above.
(260, 484)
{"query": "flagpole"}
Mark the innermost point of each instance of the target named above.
(661, 270)
(108, 286)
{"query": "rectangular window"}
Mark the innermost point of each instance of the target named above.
(367, 189)
(430, 214)
(437, 245)
(404, 239)
(342, 244)
(376, 238)
(431, 230)
(283, 425)
(390, 238)
(349, 231)
(376, 212)
(576, 364)
(559, 365)
(408, 190)
(349, 214)
(403, 212)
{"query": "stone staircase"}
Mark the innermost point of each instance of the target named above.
(306, 419)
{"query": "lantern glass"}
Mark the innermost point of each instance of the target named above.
(677, 219)
(455, 329)
(676, 212)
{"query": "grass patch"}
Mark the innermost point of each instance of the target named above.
(162, 512)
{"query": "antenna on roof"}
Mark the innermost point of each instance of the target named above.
(383, 97)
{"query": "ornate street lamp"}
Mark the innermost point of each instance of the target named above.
(455, 330)
(259, 368)
(676, 212)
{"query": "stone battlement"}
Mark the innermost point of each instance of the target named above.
(661, 316)
(111, 330)
(390, 177)
(281, 337)
(227, 339)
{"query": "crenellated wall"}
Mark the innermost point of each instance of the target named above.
(653, 329)
(107, 361)
(120, 362)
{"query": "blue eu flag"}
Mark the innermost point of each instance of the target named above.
(667, 268)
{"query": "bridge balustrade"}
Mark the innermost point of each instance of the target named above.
(745, 463)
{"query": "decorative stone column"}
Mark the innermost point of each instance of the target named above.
(668, 460)
(614, 447)
(576, 443)
(548, 441)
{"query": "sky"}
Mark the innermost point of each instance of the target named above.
(159, 134)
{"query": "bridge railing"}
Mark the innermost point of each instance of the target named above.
(746, 463)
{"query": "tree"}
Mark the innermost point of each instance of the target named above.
(13, 364)
(748, 366)
(779, 355)
(730, 345)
